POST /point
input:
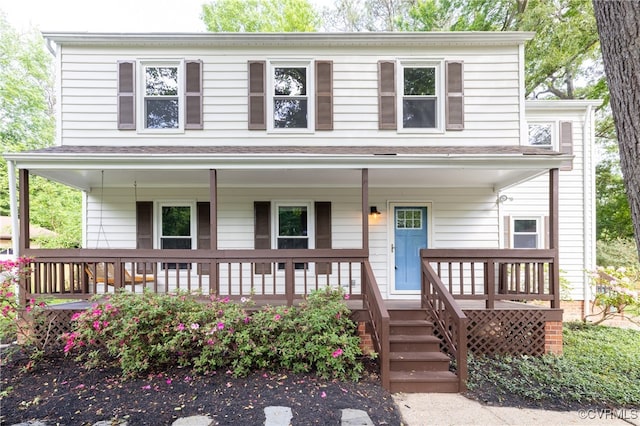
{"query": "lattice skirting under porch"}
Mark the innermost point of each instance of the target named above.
(46, 327)
(516, 332)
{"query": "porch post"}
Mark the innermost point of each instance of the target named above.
(13, 208)
(24, 211)
(213, 230)
(365, 210)
(554, 228)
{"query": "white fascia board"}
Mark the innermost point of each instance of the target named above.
(278, 161)
(292, 39)
(561, 104)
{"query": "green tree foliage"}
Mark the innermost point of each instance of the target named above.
(27, 122)
(260, 16)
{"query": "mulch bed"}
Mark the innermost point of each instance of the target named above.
(59, 390)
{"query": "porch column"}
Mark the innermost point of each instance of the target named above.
(13, 208)
(554, 229)
(213, 208)
(365, 210)
(24, 211)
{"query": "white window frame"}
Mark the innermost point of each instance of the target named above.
(158, 205)
(298, 63)
(554, 133)
(310, 221)
(438, 64)
(141, 95)
(539, 229)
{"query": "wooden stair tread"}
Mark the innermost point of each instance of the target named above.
(423, 376)
(418, 356)
(413, 339)
(411, 323)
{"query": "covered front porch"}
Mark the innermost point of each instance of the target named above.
(487, 280)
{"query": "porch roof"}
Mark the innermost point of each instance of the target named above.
(495, 166)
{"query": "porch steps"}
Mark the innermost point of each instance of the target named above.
(416, 362)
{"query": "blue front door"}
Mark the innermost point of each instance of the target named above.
(410, 235)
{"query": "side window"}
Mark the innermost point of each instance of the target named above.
(542, 135)
(290, 92)
(526, 233)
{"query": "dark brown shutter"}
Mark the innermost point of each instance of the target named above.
(203, 232)
(387, 95)
(454, 96)
(193, 95)
(257, 96)
(566, 143)
(126, 96)
(262, 232)
(323, 233)
(144, 231)
(324, 95)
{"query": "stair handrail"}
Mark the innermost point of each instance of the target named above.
(379, 320)
(449, 319)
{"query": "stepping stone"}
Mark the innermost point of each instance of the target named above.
(277, 416)
(193, 421)
(351, 417)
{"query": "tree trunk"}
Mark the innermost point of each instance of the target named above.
(619, 29)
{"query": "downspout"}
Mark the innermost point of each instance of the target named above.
(588, 134)
(13, 208)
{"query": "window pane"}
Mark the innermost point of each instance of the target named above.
(420, 81)
(290, 113)
(419, 113)
(525, 241)
(293, 243)
(292, 221)
(525, 225)
(176, 221)
(540, 134)
(161, 113)
(161, 81)
(290, 81)
(175, 243)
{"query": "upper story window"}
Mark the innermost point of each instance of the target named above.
(542, 135)
(290, 92)
(160, 95)
(420, 100)
(420, 96)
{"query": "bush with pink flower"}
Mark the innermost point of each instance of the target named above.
(142, 332)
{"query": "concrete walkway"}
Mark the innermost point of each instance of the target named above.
(435, 409)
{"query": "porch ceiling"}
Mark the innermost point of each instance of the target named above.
(494, 167)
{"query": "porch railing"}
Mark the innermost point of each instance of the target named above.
(449, 320)
(379, 320)
(282, 275)
(498, 274)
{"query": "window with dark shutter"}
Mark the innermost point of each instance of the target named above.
(566, 143)
(324, 95)
(144, 231)
(387, 95)
(262, 232)
(323, 233)
(193, 95)
(454, 96)
(257, 96)
(126, 95)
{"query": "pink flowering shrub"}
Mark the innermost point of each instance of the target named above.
(13, 326)
(141, 332)
(615, 290)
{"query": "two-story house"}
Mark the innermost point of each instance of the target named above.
(405, 167)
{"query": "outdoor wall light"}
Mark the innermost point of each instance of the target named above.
(374, 211)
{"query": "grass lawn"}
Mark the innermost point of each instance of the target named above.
(600, 367)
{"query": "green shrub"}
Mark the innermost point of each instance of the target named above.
(618, 252)
(141, 332)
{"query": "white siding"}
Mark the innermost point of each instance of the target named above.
(89, 84)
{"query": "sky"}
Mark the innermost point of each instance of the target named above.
(105, 15)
